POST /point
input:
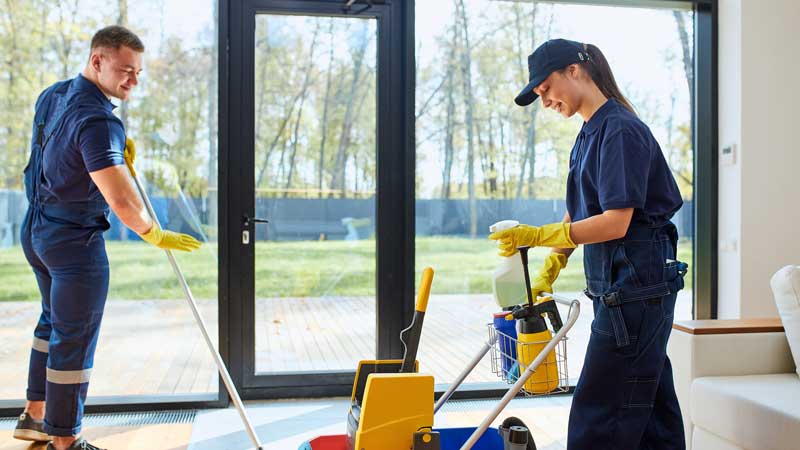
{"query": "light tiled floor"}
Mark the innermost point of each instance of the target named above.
(286, 424)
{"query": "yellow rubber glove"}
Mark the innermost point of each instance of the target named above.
(170, 240)
(551, 235)
(547, 275)
(130, 154)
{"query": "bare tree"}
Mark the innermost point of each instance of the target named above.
(303, 95)
(688, 64)
(340, 161)
(65, 38)
(326, 104)
(466, 68)
(281, 128)
(12, 76)
(686, 46)
(529, 158)
(449, 150)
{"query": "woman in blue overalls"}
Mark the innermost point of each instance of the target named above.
(620, 198)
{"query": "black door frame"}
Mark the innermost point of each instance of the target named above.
(394, 194)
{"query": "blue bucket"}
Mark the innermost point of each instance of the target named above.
(450, 439)
(454, 438)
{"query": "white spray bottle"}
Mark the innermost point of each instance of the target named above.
(508, 280)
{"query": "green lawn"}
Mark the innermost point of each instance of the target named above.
(300, 269)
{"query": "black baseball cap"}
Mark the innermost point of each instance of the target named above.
(553, 55)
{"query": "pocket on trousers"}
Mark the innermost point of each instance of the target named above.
(623, 269)
(640, 392)
(633, 314)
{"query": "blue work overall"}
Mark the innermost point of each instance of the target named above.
(625, 398)
(63, 243)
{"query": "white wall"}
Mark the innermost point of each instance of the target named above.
(759, 97)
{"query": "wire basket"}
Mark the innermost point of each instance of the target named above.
(510, 357)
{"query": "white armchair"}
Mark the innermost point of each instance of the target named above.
(736, 384)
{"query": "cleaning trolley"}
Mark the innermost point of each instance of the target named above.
(392, 405)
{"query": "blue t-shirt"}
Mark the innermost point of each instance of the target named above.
(616, 163)
(88, 138)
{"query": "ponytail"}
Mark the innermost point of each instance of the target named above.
(598, 69)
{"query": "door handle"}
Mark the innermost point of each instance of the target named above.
(246, 220)
(246, 226)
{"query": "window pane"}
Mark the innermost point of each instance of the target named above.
(481, 158)
(315, 106)
(149, 343)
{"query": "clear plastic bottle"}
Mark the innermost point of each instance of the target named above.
(508, 280)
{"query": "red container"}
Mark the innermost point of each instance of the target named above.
(337, 442)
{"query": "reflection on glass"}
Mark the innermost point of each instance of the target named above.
(149, 343)
(315, 182)
(481, 158)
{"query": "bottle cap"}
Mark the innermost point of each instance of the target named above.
(503, 225)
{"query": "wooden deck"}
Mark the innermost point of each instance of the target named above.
(154, 347)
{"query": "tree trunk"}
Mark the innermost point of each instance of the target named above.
(303, 93)
(449, 149)
(466, 67)
(12, 75)
(531, 146)
(491, 176)
(529, 159)
(326, 104)
(340, 165)
(688, 65)
(265, 162)
(504, 158)
(482, 157)
(261, 83)
(686, 46)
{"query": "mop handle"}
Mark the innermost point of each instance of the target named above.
(574, 311)
(223, 371)
(414, 332)
(463, 375)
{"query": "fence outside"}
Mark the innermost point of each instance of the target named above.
(331, 219)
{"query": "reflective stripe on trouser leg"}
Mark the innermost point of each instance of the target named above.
(40, 345)
(78, 295)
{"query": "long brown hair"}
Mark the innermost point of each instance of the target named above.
(598, 69)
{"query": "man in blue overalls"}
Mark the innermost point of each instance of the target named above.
(75, 173)
(620, 198)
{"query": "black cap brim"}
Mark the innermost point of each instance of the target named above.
(527, 96)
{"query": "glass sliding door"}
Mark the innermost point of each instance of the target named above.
(315, 181)
(316, 193)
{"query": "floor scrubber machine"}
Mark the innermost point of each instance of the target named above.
(392, 405)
